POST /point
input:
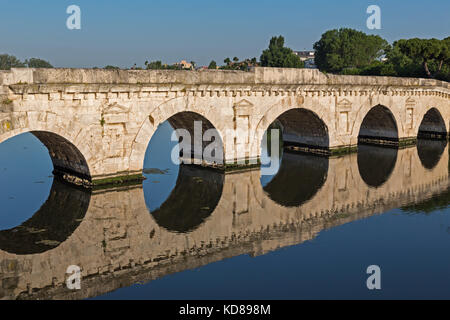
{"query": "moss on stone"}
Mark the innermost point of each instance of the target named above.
(7, 101)
(244, 166)
(339, 151)
(406, 142)
(122, 180)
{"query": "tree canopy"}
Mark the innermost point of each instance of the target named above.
(212, 65)
(37, 63)
(426, 52)
(110, 67)
(348, 51)
(7, 62)
(345, 48)
(277, 55)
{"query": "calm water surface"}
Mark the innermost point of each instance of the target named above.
(310, 231)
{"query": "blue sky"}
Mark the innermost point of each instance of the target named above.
(122, 32)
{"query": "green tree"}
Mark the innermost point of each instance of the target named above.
(155, 65)
(277, 55)
(37, 63)
(7, 62)
(109, 67)
(212, 65)
(235, 59)
(227, 61)
(342, 49)
(402, 65)
(444, 56)
(427, 52)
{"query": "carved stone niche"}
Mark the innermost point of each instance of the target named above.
(114, 120)
(242, 124)
(115, 113)
(410, 106)
(243, 108)
(343, 110)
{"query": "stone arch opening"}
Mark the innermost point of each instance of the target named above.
(52, 224)
(68, 161)
(299, 178)
(376, 164)
(192, 201)
(379, 127)
(180, 196)
(432, 126)
(197, 125)
(167, 150)
(303, 130)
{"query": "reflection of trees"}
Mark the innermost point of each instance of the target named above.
(52, 224)
(194, 198)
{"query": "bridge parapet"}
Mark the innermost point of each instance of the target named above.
(257, 76)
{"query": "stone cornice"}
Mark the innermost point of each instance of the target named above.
(128, 91)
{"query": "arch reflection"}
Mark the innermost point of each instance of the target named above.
(376, 164)
(299, 178)
(52, 224)
(194, 198)
(430, 151)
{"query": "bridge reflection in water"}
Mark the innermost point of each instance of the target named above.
(208, 217)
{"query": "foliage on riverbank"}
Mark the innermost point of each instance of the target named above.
(7, 62)
(351, 52)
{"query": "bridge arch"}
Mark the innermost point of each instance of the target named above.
(70, 159)
(432, 125)
(301, 126)
(379, 126)
(181, 115)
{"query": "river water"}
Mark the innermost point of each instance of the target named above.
(308, 232)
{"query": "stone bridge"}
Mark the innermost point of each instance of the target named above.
(97, 123)
(112, 236)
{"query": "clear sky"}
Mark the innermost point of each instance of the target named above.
(124, 32)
